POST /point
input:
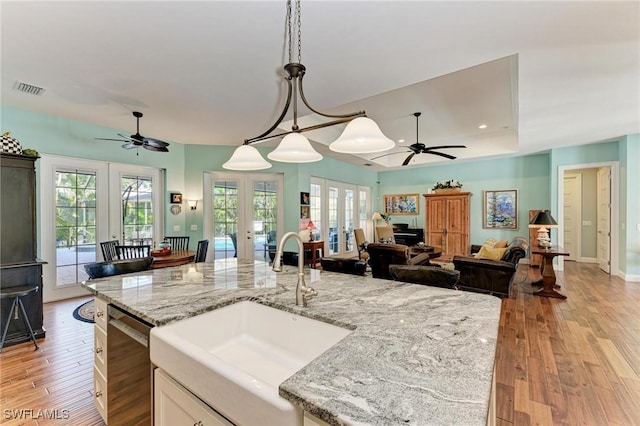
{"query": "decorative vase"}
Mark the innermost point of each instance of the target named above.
(445, 191)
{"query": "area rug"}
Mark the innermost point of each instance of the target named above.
(84, 312)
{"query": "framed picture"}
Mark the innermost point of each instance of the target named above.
(304, 198)
(401, 204)
(500, 209)
(176, 198)
(304, 212)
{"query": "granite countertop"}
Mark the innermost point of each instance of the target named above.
(417, 355)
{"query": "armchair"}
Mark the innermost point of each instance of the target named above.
(491, 276)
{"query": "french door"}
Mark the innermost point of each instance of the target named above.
(243, 214)
(337, 208)
(82, 204)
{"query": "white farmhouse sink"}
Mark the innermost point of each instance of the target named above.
(234, 358)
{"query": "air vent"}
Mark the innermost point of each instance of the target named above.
(28, 88)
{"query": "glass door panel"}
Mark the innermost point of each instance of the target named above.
(334, 223)
(243, 214)
(225, 218)
(75, 228)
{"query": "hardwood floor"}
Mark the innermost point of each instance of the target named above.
(53, 385)
(564, 362)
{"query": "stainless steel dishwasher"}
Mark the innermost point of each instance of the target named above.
(129, 371)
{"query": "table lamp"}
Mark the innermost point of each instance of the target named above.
(543, 221)
(311, 227)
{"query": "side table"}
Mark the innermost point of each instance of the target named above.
(547, 272)
(314, 247)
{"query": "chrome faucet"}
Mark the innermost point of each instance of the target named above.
(303, 293)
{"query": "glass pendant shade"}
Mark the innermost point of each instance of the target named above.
(295, 148)
(246, 157)
(362, 136)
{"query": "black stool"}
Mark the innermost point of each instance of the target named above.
(16, 293)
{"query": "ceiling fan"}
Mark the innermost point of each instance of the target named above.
(420, 148)
(137, 140)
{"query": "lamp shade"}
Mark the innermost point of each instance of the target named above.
(377, 216)
(543, 219)
(310, 225)
(246, 157)
(295, 148)
(361, 136)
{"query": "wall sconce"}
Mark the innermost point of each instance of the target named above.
(193, 204)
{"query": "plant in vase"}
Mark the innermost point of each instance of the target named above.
(447, 186)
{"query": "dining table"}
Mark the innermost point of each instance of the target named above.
(174, 258)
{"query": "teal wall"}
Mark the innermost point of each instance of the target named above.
(534, 176)
(630, 204)
(528, 174)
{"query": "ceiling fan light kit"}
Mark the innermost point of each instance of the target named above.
(358, 139)
(137, 140)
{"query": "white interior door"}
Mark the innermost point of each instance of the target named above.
(603, 200)
(572, 216)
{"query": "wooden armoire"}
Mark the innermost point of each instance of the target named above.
(447, 222)
(19, 265)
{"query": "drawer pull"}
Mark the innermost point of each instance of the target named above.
(99, 349)
(198, 424)
(99, 314)
(98, 394)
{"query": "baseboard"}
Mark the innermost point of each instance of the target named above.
(587, 260)
(631, 278)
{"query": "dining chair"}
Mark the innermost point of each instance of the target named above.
(361, 244)
(201, 253)
(385, 234)
(133, 252)
(234, 240)
(109, 250)
(178, 243)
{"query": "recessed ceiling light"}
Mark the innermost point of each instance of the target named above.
(400, 140)
(482, 126)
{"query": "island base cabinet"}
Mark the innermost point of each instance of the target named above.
(311, 420)
(175, 405)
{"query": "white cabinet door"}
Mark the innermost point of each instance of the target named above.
(175, 405)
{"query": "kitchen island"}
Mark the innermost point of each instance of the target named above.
(417, 355)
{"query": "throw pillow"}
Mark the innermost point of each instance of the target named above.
(501, 244)
(491, 253)
(490, 243)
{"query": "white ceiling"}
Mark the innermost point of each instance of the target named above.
(539, 74)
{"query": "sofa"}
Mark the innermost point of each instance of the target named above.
(344, 265)
(489, 275)
(431, 275)
(381, 255)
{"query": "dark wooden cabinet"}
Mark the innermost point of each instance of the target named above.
(19, 265)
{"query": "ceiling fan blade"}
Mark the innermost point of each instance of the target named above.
(130, 145)
(445, 147)
(107, 139)
(390, 153)
(406, 160)
(155, 142)
(155, 148)
(441, 154)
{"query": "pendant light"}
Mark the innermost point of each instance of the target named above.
(361, 135)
